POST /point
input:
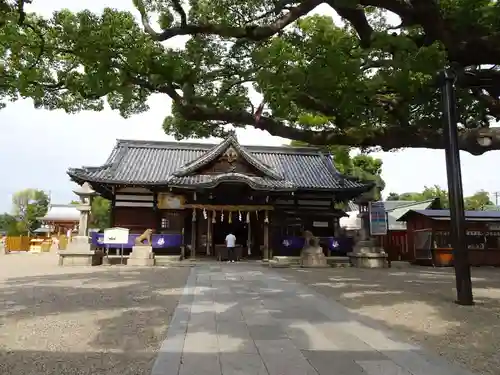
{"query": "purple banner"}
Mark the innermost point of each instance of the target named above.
(298, 242)
(158, 241)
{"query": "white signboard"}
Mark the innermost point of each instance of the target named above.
(116, 236)
(320, 224)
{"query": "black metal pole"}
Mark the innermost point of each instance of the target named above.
(455, 192)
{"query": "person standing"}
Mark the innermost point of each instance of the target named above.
(231, 247)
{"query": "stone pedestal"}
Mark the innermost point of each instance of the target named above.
(313, 257)
(141, 256)
(367, 255)
(78, 253)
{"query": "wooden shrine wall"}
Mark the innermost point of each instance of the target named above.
(137, 219)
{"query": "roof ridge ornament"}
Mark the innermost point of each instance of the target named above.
(232, 133)
(232, 150)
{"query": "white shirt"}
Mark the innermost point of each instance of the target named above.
(230, 240)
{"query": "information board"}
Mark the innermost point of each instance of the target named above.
(378, 219)
(115, 236)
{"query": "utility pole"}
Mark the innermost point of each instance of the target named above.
(496, 194)
(455, 191)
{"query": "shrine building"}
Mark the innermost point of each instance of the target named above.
(192, 195)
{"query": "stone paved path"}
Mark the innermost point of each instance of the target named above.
(238, 319)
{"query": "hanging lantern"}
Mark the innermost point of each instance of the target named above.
(248, 217)
(221, 216)
(266, 219)
(194, 195)
(205, 216)
(239, 215)
(214, 220)
(267, 198)
(230, 217)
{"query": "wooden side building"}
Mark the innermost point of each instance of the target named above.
(429, 237)
(193, 194)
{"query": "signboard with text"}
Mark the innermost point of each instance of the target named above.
(115, 236)
(378, 219)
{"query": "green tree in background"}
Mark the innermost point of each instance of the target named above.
(28, 206)
(9, 225)
(478, 201)
(100, 212)
(365, 83)
(361, 166)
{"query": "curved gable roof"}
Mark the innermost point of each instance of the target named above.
(157, 163)
(218, 151)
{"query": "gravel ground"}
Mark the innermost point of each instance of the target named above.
(417, 303)
(83, 320)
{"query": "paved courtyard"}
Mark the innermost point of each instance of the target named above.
(238, 319)
(417, 304)
(83, 320)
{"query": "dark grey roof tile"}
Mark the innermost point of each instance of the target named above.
(146, 162)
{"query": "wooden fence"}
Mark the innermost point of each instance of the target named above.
(20, 243)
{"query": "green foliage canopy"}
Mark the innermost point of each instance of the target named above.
(9, 224)
(28, 206)
(364, 84)
(99, 213)
(361, 166)
(478, 201)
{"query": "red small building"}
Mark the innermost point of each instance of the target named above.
(395, 241)
(429, 237)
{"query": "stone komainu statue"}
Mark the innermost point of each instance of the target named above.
(310, 240)
(146, 236)
(312, 253)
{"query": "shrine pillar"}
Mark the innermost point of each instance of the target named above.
(193, 234)
(265, 255)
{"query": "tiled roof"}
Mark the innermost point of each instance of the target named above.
(401, 209)
(214, 180)
(62, 212)
(218, 150)
(154, 163)
(445, 215)
(396, 209)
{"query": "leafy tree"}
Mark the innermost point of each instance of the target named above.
(429, 192)
(365, 83)
(393, 197)
(28, 206)
(479, 201)
(361, 166)
(100, 212)
(9, 225)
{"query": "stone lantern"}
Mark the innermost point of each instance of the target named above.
(79, 249)
(86, 194)
(365, 253)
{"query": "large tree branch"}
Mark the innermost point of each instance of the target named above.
(182, 14)
(357, 18)
(387, 138)
(250, 32)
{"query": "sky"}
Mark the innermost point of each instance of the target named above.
(38, 146)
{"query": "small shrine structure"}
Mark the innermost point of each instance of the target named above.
(60, 219)
(192, 195)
